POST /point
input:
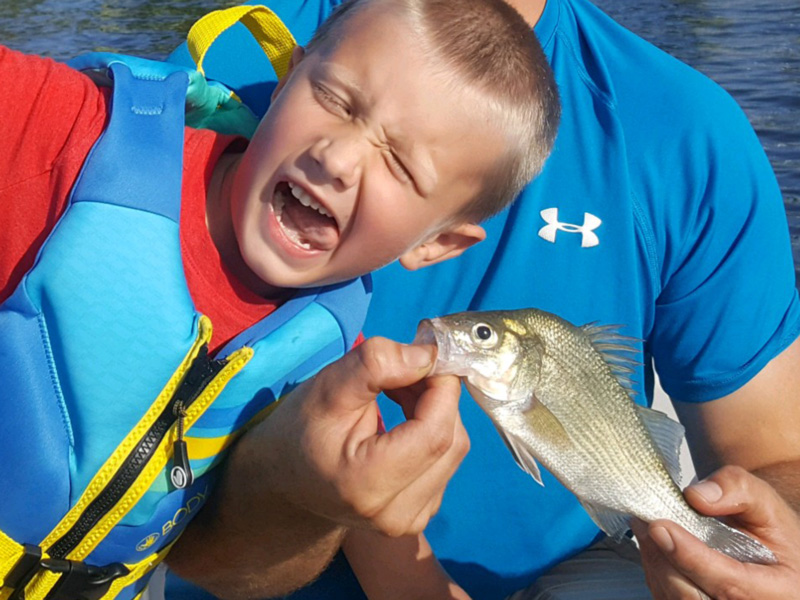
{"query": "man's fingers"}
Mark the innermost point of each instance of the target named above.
(432, 437)
(429, 432)
(733, 491)
(425, 491)
(665, 581)
(716, 574)
(376, 365)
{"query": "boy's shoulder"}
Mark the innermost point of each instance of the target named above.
(54, 113)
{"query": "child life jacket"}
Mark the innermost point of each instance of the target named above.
(113, 411)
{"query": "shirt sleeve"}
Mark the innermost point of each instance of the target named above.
(47, 127)
(728, 302)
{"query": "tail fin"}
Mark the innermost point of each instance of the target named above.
(736, 544)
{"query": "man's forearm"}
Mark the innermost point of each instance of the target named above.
(785, 478)
(321, 462)
(248, 542)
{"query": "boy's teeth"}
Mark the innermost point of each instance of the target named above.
(306, 200)
(279, 204)
(312, 229)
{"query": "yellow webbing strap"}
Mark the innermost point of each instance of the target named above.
(138, 571)
(10, 551)
(268, 30)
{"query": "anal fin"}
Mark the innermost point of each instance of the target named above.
(615, 524)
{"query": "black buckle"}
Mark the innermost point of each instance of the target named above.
(79, 581)
(27, 566)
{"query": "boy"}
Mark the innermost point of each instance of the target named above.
(383, 142)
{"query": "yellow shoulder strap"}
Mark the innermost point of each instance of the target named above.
(268, 30)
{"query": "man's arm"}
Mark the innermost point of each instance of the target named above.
(757, 428)
(318, 464)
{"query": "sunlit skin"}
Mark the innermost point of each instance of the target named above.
(531, 10)
(391, 150)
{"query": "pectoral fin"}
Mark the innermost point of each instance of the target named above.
(546, 428)
(522, 454)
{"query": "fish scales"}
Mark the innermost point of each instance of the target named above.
(596, 432)
(554, 392)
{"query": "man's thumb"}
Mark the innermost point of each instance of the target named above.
(376, 365)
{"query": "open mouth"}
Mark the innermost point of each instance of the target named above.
(303, 220)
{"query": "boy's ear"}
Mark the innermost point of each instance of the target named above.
(298, 52)
(445, 244)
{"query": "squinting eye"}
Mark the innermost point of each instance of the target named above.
(484, 335)
(398, 166)
(332, 101)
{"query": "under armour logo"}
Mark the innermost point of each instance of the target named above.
(588, 237)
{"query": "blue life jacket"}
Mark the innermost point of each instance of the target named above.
(104, 368)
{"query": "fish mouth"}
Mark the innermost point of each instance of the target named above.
(429, 332)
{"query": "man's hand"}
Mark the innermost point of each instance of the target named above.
(336, 462)
(321, 463)
(679, 566)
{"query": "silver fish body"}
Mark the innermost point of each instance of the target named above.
(558, 394)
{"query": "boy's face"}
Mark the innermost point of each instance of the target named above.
(366, 155)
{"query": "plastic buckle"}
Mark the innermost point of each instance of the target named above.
(81, 581)
(27, 566)
(78, 582)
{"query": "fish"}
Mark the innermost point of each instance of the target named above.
(562, 395)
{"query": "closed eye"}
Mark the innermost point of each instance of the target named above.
(398, 168)
(332, 102)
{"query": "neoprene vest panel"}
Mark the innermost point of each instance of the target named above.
(104, 368)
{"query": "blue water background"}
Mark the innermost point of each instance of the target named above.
(750, 47)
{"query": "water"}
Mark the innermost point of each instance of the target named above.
(750, 47)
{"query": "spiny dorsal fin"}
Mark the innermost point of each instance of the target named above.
(667, 435)
(614, 347)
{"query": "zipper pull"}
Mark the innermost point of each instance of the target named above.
(181, 474)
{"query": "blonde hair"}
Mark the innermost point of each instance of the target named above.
(488, 47)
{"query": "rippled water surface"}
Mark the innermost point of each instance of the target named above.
(751, 48)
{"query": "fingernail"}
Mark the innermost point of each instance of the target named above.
(417, 356)
(709, 490)
(663, 539)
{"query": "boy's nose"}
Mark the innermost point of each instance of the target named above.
(340, 157)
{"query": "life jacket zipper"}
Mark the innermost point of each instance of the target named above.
(201, 372)
(181, 474)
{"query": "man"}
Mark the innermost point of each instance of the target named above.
(657, 210)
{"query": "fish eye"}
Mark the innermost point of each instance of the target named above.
(484, 335)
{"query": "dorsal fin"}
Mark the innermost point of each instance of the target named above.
(614, 348)
(667, 434)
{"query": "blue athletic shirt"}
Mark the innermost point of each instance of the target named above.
(658, 209)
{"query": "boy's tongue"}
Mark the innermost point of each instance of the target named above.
(307, 226)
